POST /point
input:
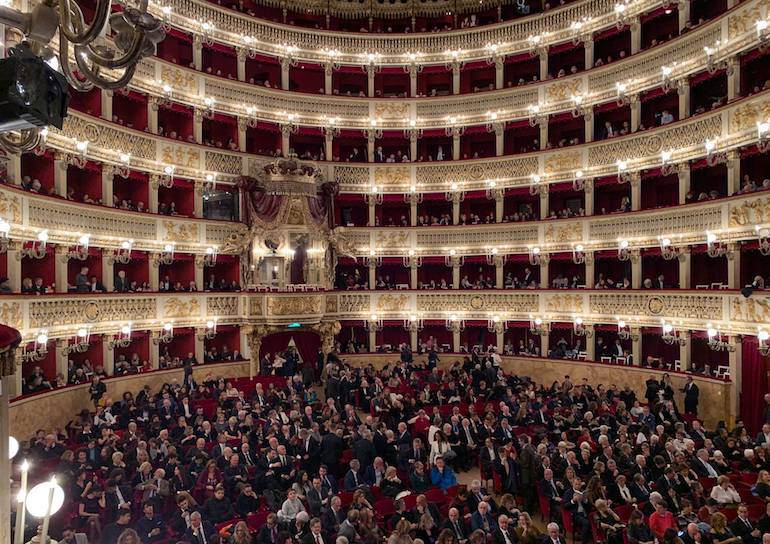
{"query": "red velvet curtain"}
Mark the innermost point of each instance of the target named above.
(259, 205)
(754, 384)
(307, 344)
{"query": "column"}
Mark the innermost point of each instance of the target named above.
(543, 64)
(500, 340)
(329, 145)
(636, 112)
(413, 137)
(200, 190)
(684, 13)
(588, 190)
(328, 73)
(242, 53)
(60, 268)
(544, 202)
(413, 275)
(199, 267)
(455, 145)
(544, 134)
(588, 119)
(372, 275)
(371, 139)
(286, 131)
(60, 174)
(733, 172)
(456, 275)
(545, 282)
(685, 262)
(371, 70)
(14, 168)
(372, 340)
(456, 209)
(154, 351)
(152, 115)
(684, 99)
(636, 192)
(456, 77)
(684, 182)
(106, 99)
(588, 47)
(733, 79)
(154, 272)
(636, 345)
(684, 350)
(152, 204)
(413, 69)
(499, 271)
(108, 356)
(108, 174)
(499, 72)
(733, 266)
(285, 80)
(636, 269)
(545, 342)
(736, 376)
(590, 343)
(372, 214)
(456, 340)
(499, 139)
(198, 52)
(499, 205)
(242, 126)
(108, 269)
(413, 341)
(61, 355)
(590, 270)
(636, 36)
(200, 345)
(13, 258)
(198, 125)
(413, 212)
(244, 342)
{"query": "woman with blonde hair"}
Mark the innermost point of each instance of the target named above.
(526, 531)
(724, 492)
(129, 536)
(720, 533)
(609, 522)
(426, 529)
(241, 534)
(401, 533)
(447, 536)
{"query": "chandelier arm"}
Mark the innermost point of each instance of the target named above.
(64, 65)
(94, 77)
(26, 141)
(69, 7)
(115, 64)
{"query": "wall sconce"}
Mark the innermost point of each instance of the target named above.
(622, 98)
(578, 109)
(81, 342)
(413, 65)
(668, 167)
(413, 132)
(167, 179)
(453, 259)
(764, 342)
(494, 258)
(714, 157)
(453, 129)
(621, 15)
(624, 253)
(251, 117)
(537, 45)
(167, 255)
(373, 132)
(454, 194)
(712, 64)
(372, 260)
(414, 323)
(165, 99)
(579, 32)
(5, 230)
(80, 252)
(374, 196)
(714, 248)
(454, 62)
(624, 176)
(667, 250)
(374, 323)
(80, 159)
(205, 36)
(578, 183)
(454, 323)
(536, 116)
(624, 331)
(534, 255)
(763, 136)
(413, 196)
(538, 326)
(208, 107)
(39, 349)
(715, 340)
(123, 254)
(249, 46)
(492, 192)
(763, 35)
(123, 338)
(763, 239)
(330, 129)
(37, 251)
(211, 330)
(495, 324)
(535, 187)
(412, 260)
(210, 259)
(165, 335)
(669, 334)
(578, 254)
(579, 328)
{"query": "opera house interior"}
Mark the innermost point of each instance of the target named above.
(385, 271)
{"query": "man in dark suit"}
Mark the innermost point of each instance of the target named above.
(576, 504)
(504, 534)
(328, 481)
(552, 490)
(268, 533)
(332, 517)
(316, 535)
(456, 524)
(332, 446)
(667, 481)
(743, 528)
(639, 489)
(353, 478)
(112, 531)
(691, 394)
(409, 456)
(121, 282)
(199, 532)
(307, 448)
(316, 498)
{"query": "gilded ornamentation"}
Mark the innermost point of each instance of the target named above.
(180, 155)
(751, 310)
(477, 303)
(331, 304)
(181, 232)
(744, 21)
(564, 303)
(391, 239)
(291, 306)
(222, 306)
(571, 232)
(745, 117)
(91, 311)
(10, 207)
(389, 176)
(391, 110)
(522, 303)
(10, 314)
(178, 308)
(180, 80)
(655, 305)
(563, 162)
(63, 312)
(255, 306)
(679, 306)
(564, 90)
(750, 212)
(392, 303)
(353, 302)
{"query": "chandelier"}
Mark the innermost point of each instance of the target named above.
(454, 323)
(39, 349)
(123, 339)
(81, 342)
(624, 331)
(414, 323)
(5, 230)
(123, 254)
(764, 345)
(166, 334)
(715, 341)
(80, 252)
(374, 323)
(670, 336)
(210, 331)
(763, 239)
(538, 326)
(579, 328)
(37, 250)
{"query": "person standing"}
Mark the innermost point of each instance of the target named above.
(691, 394)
